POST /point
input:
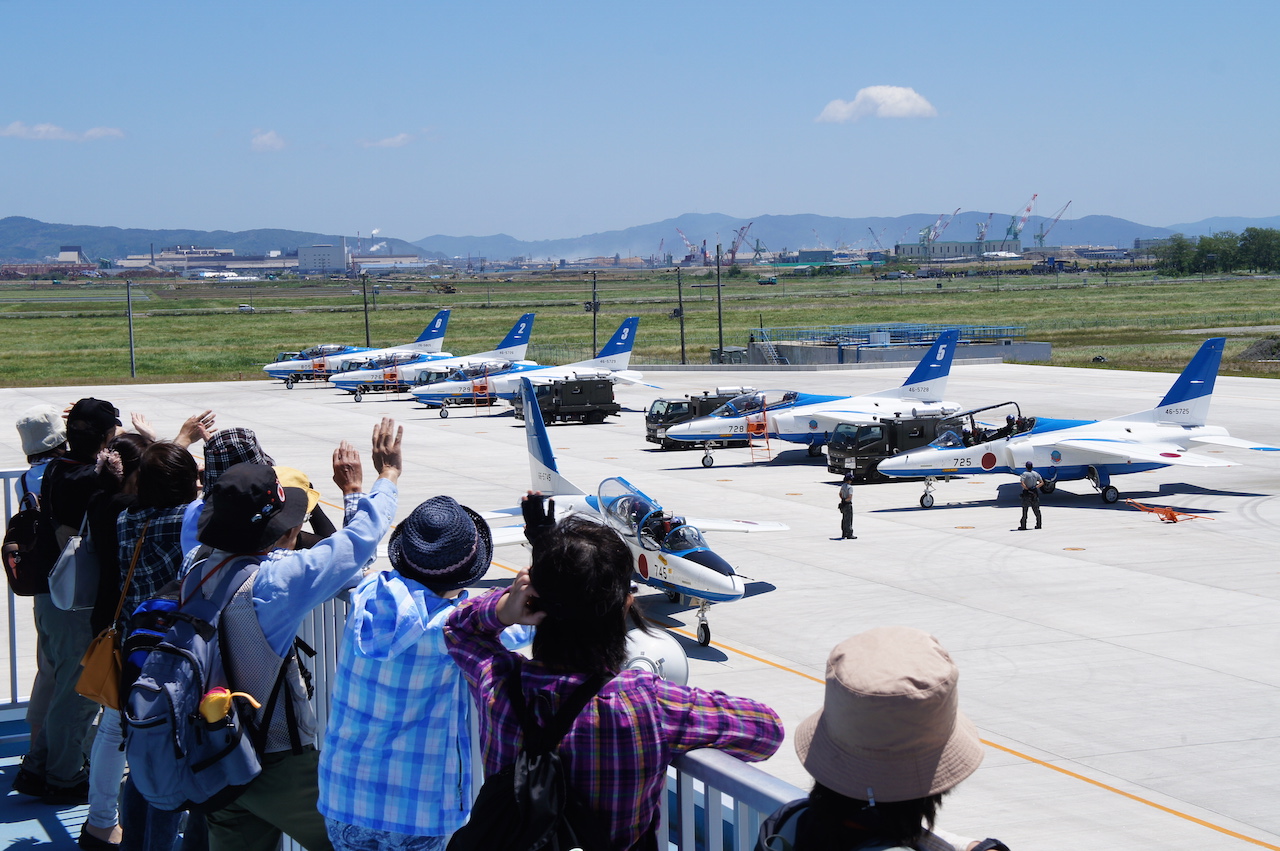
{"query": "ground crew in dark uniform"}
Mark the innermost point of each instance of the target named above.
(1031, 481)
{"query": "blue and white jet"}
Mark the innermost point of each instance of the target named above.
(320, 362)
(810, 419)
(401, 371)
(611, 363)
(1096, 450)
(668, 550)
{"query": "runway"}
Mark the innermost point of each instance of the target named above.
(1123, 670)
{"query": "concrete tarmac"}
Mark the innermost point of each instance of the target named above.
(1123, 670)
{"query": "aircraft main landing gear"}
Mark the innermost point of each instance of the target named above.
(1102, 481)
(815, 449)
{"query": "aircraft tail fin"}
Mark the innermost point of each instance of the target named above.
(516, 343)
(928, 381)
(615, 354)
(1187, 402)
(431, 339)
(544, 475)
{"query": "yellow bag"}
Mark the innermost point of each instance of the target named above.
(102, 663)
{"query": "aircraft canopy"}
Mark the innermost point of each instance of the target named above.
(642, 521)
(750, 403)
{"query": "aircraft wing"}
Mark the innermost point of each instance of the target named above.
(632, 377)
(705, 524)
(1224, 440)
(1118, 451)
(507, 536)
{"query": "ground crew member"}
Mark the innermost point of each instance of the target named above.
(1031, 481)
(846, 509)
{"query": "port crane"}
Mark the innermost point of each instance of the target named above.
(1044, 229)
(983, 227)
(695, 254)
(1014, 231)
(738, 236)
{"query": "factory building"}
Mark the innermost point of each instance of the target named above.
(322, 258)
(923, 251)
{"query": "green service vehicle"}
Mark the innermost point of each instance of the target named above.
(858, 449)
(584, 400)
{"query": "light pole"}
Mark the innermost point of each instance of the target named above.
(593, 307)
(680, 299)
(719, 307)
(364, 288)
(128, 300)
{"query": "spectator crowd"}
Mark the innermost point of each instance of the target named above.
(420, 654)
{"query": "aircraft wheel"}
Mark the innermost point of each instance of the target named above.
(1110, 494)
(288, 384)
(444, 412)
(926, 500)
(1048, 487)
(815, 449)
(359, 396)
(672, 596)
(707, 460)
(704, 635)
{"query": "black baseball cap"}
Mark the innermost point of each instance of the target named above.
(248, 509)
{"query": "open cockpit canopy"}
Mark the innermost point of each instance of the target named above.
(752, 403)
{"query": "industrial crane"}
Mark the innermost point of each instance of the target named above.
(876, 239)
(739, 235)
(944, 225)
(983, 227)
(822, 245)
(1044, 230)
(1014, 231)
(694, 251)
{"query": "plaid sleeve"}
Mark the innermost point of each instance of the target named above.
(693, 718)
(472, 634)
(350, 505)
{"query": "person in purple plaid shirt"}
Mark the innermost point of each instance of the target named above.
(578, 593)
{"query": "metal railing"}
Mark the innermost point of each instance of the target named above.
(714, 801)
(899, 333)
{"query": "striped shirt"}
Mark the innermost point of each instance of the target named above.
(618, 749)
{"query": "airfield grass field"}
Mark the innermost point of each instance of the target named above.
(78, 333)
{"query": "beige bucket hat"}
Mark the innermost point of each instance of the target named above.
(890, 726)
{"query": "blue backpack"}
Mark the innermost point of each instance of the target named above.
(177, 758)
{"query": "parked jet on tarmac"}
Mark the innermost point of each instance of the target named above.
(1067, 450)
(611, 363)
(810, 419)
(669, 551)
(409, 372)
(319, 362)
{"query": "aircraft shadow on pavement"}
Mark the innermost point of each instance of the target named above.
(1085, 497)
(741, 459)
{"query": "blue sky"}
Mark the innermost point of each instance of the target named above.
(555, 119)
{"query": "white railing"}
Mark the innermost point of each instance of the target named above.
(714, 801)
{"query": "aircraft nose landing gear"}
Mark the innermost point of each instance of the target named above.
(926, 498)
(704, 630)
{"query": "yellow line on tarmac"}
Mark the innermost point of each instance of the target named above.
(1010, 751)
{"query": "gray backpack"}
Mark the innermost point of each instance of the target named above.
(178, 759)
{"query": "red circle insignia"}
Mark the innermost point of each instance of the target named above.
(989, 461)
(643, 564)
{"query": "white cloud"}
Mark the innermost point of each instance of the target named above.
(397, 141)
(268, 140)
(878, 102)
(52, 132)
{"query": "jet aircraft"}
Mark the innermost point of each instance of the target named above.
(1068, 450)
(810, 419)
(402, 371)
(319, 362)
(669, 550)
(611, 363)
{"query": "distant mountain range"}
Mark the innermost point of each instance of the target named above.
(28, 240)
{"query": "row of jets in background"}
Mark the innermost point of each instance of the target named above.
(437, 378)
(669, 550)
(1062, 450)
